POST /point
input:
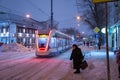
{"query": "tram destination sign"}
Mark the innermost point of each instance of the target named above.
(102, 1)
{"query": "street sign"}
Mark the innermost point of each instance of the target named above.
(96, 29)
(101, 1)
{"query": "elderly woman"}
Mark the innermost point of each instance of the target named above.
(77, 58)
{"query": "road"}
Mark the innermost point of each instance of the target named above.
(26, 66)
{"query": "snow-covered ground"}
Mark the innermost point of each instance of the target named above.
(56, 68)
(97, 69)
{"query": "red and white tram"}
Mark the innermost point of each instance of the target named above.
(51, 42)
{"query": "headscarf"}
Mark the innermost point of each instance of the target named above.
(75, 46)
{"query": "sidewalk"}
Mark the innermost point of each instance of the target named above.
(97, 65)
(98, 59)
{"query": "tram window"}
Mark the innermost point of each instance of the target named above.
(53, 42)
(42, 40)
(42, 46)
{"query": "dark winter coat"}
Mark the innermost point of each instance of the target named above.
(118, 58)
(77, 58)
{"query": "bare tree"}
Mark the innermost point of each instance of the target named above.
(87, 11)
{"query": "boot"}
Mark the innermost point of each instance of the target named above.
(77, 71)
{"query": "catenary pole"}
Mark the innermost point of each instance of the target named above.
(51, 14)
(107, 50)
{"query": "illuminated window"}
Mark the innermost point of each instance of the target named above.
(4, 30)
(33, 35)
(20, 34)
(7, 34)
(1, 35)
(24, 30)
(23, 40)
(30, 40)
(27, 35)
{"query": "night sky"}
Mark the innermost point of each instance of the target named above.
(64, 11)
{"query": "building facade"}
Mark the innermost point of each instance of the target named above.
(18, 29)
(113, 22)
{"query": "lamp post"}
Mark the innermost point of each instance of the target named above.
(27, 31)
(78, 19)
(51, 14)
(107, 50)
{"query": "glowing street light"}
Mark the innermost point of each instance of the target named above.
(78, 17)
(27, 16)
(78, 20)
(103, 30)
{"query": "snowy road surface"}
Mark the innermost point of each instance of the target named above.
(25, 66)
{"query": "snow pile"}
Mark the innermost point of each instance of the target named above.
(14, 47)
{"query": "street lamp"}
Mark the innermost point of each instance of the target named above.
(51, 14)
(78, 17)
(27, 15)
(78, 20)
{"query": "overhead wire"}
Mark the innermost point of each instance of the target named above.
(35, 6)
(8, 10)
(28, 1)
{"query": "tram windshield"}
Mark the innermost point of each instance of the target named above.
(42, 40)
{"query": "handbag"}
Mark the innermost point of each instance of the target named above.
(84, 64)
